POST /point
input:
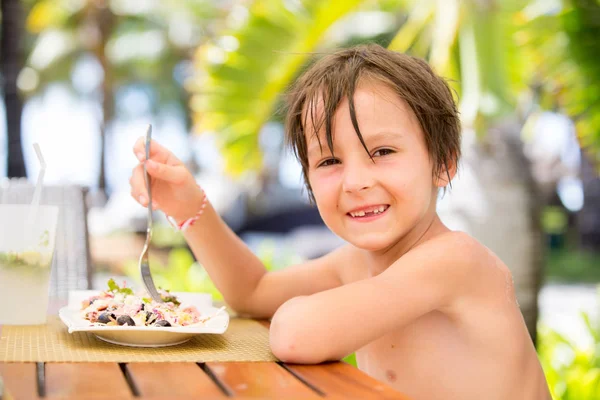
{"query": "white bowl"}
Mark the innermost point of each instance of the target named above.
(146, 336)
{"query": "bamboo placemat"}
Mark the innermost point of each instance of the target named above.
(244, 340)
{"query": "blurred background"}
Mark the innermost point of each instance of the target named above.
(83, 78)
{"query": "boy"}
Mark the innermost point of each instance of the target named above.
(429, 311)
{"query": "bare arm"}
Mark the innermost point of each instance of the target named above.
(339, 321)
(236, 271)
(241, 276)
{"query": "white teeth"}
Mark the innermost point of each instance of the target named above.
(375, 210)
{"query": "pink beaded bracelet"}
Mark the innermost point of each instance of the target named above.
(182, 226)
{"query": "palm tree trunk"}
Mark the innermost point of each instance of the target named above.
(496, 200)
(588, 218)
(11, 51)
(102, 21)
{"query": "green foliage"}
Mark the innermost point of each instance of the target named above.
(351, 359)
(164, 236)
(496, 53)
(471, 44)
(109, 33)
(582, 25)
(566, 265)
(572, 371)
(183, 274)
(242, 73)
(564, 49)
(554, 220)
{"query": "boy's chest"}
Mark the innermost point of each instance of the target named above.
(420, 352)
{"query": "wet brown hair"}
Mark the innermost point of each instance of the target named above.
(336, 76)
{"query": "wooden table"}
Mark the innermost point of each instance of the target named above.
(213, 380)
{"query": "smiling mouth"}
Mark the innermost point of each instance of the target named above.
(369, 212)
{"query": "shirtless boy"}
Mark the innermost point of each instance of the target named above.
(427, 310)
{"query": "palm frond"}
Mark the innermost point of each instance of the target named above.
(563, 47)
(247, 68)
(582, 25)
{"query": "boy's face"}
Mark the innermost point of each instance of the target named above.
(372, 204)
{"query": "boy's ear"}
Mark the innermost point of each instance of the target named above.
(445, 174)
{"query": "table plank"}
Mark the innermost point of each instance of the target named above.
(260, 380)
(20, 379)
(86, 380)
(343, 380)
(170, 380)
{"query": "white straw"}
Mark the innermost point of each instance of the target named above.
(35, 201)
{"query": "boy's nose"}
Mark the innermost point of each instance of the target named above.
(357, 179)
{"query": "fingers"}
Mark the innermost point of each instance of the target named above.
(138, 185)
(171, 173)
(158, 152)
(138, 188)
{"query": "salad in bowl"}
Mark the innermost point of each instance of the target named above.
(121, 316)
(121, 306)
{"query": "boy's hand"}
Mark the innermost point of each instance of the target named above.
(174, 189)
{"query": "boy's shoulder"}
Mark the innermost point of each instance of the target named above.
(451, 246)
(455, 246)
(460, 251)
(458, 258)
(451, 256)
(453, 253)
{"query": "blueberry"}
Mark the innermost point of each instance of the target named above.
(106, 317)
(125, 320)
(150, 318)
(162, 322)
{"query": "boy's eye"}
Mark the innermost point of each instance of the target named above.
(328, 162)
(382, 152)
